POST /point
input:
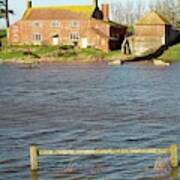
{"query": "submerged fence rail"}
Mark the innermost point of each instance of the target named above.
(171, 150)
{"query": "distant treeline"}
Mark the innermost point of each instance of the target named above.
(127, 12)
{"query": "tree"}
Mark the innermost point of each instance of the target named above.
(167, 8)
(127, 12)
(139, 9)
(5, 11)
(122, 12)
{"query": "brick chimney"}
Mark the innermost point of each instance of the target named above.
(105, 11)
(29, 4)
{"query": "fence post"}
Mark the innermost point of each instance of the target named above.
(174, 155)
(33, 157)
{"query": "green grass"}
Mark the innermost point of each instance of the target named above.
(76, 53)
(171, 54)
(113, 54)
(130, 29)
(3, 33)
(91, 52)
(17, 52)
(11, 55)
(68, 53)
(43, 50)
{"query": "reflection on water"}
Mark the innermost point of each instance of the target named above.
(173, 175)
(87, 107)
(34, 175)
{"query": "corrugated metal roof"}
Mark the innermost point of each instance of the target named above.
(152, 18)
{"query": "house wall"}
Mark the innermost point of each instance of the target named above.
(150, 30)
(26, 31)
(22, 32)
(143, 44)
(147, 38)
(97, 33)
(98, 41)
(103, 27)
(166, 33)
(14, 33)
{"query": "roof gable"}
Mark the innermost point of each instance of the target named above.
(152, 18)
(58, 12)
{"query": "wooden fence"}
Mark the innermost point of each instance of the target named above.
(171, 150)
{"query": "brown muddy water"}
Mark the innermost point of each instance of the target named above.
(87, 107)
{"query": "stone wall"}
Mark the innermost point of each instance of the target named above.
(143, 45)
(148, 38)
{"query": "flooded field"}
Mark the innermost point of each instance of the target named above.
(86, 107)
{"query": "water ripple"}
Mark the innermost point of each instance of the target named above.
(87, 107)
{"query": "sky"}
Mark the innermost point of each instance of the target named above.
(19, 5)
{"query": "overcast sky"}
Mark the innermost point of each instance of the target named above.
(19, 5)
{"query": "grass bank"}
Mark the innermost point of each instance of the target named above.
(171, 54)
(20, 54)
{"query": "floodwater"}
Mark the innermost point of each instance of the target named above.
(85, 107)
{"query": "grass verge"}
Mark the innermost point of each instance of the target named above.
(171, 54)
(55, 53)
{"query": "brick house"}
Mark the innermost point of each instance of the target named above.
(85, 26)
(154, 26)
(151, 32)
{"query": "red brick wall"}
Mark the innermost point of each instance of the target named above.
(101, 39)
(101, 26)
(14, 34)
(98, 41)
(150, 30)
(26, 30)
(22, 32)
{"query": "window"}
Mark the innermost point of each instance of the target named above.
(74, 24)
(55, 24)
(74, 36)
(37, 37)
(36, 24)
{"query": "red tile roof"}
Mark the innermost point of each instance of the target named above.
(58, 13)
(152, 18)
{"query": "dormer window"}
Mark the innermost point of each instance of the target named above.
(55, 24)
(37, 24)
(74, 24)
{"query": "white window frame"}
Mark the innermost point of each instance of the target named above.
(55, 24)
(37, 24)
(37, 37)
(74, 36)
(74, 24)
